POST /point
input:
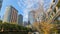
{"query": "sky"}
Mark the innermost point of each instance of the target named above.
(23, 6)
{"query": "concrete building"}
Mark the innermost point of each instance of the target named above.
(20, 19)
(11, 15)
(1, 4)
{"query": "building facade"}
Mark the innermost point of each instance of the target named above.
(20, 19)
(11, 15)
(1, 4)
(31, 17)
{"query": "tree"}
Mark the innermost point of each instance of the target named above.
(43, 27)
(0, 21)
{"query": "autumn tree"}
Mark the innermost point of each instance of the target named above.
(47, 25)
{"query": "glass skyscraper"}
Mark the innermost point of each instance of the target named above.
(31, 17)
(20, 19)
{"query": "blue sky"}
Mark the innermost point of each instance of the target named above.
(22, 6)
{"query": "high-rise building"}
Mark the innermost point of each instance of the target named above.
(20, 20)
(1, 4)
(31, 17)
(11, 15)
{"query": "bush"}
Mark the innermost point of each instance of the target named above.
(12, 27)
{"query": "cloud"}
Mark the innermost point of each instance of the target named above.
(27, 5)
